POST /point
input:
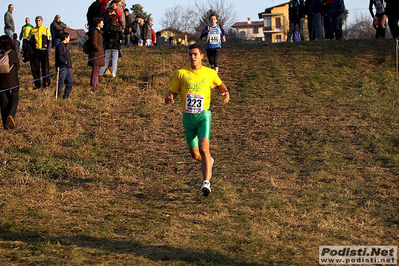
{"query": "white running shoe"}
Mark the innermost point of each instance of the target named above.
(206, 188)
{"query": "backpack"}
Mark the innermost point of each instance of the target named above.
(5, 62)
(86, 47)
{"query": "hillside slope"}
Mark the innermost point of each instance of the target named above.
(307, 154)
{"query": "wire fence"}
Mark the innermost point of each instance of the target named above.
(49, 75)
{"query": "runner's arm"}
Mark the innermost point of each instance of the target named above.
(170, 98)
(223, 89)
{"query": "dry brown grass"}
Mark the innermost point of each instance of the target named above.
(306, 155)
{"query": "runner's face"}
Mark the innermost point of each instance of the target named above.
(38, 23)
(213, 20)
(27, 21)
(195, 58)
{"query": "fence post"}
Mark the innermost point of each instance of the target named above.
(56, 84)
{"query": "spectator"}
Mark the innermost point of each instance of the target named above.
(24, 35)
(215, 35)
(63, 63)
(379, 18)
(17, 43)
(327, 19)
(103, 5)
(57, 27)
(172, 41)
(112, 37)
(296, 12)
(315, 10)
(9, 98)
(310, 20)
(40, 42)
(128, 28)
(392, 12)
(147, 32)
(9, 26)
(119, 11)
(137, 29)
(338, 13)
(94, 11)
(96, 54)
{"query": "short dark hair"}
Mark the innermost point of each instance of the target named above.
(124, 10)
(97, 21)
(6, 43)
(196, 45)
(213, 15)
(64, 35)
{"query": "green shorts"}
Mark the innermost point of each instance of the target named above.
(197, 126)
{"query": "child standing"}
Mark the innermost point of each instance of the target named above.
(64, 63)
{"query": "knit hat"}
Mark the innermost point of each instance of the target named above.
(39, 17)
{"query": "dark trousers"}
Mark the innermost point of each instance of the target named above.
(328, 26)
(40, 61)
(8, 104)
(213, 56)
(24, 44)
(65, 78)
(310, 27)
(393, 25)
(94, 76)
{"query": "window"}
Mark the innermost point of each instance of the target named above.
(268, 22)
(256, 30)
(278, 38)
(278, 23)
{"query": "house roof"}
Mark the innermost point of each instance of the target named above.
(75, 35)
(268, 10)
(248, 25)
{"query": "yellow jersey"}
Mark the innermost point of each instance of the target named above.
(41, 37)
(194, 87)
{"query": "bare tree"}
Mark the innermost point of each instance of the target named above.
(180, 18)
(362, 27)
(225, 11)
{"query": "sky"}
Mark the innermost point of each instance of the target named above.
(73, 12)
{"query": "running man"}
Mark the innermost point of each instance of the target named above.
(194, 83)
(215, 35)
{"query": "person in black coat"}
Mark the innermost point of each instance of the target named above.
(63, 64)
(297, 14)
(392, 12)
(9, 84)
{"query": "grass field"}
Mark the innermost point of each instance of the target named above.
(307, 154)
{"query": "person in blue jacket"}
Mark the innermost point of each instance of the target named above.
(63, 62)
(215, 36)
(338, 15)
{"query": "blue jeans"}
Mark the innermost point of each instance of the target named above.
(9, 33)
(110, 54)
(65, 77)
(337, 20)
(317, 27)
(127, 40)
(56, 42)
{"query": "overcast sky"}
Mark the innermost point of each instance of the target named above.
(73, 12)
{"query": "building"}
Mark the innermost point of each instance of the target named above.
(75, 35)
(276, 23)
(249, 30)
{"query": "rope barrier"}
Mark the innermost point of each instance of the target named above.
(49, 75)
